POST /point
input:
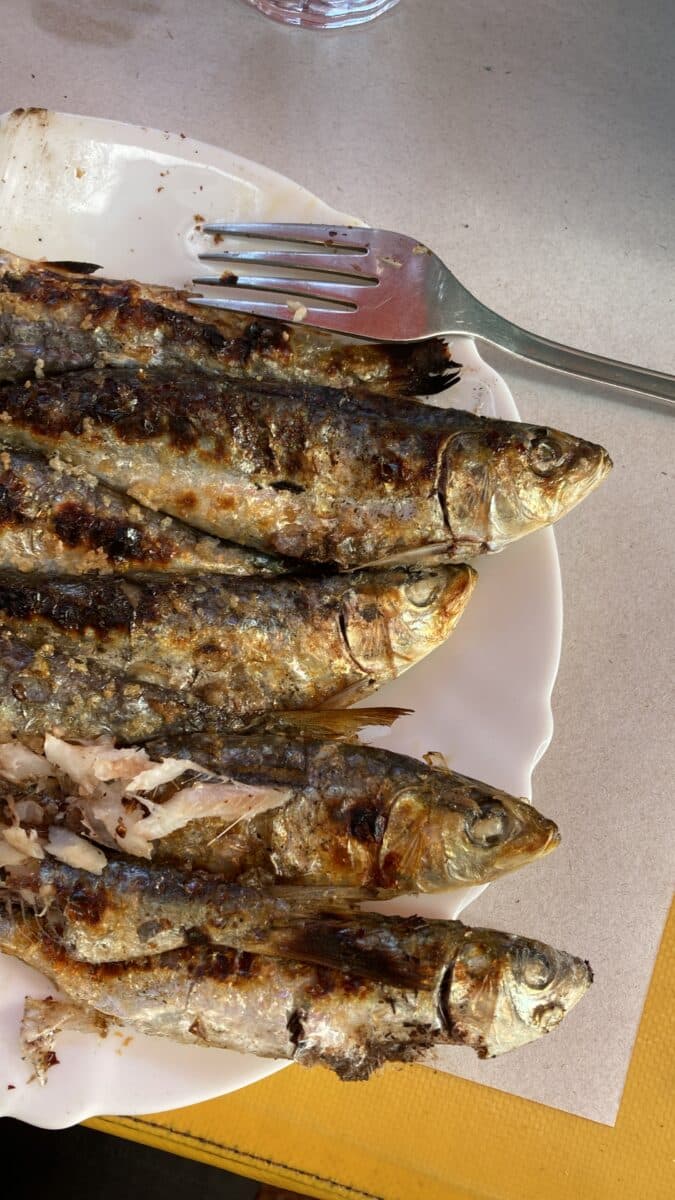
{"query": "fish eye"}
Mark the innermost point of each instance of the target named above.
(422, 591)
(545, 455)
(488, 826)
(535, 970)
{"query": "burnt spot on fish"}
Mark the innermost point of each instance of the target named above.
(349, 949)
(69, 604)
(367, 823)
(244, 963)
(294, 1025)
(285, 485)
(74, 267)
(12, 501)
(219, 964)
(86, 902)
(422, 368)
(209, 648)
(264, 338)
(149, 929)
(76, 525)
(226, 503)
(187, 500)
(198, 1030)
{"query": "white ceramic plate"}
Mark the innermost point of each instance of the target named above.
(131, 199)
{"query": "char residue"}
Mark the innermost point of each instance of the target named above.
(86, 902)
(294, 1025)
(70, 604)
(350, 950)
(367, 823)
(77, 525)
(285, 485)
(12, 501)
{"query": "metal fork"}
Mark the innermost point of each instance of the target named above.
(387, 287)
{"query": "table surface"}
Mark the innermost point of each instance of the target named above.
(531, 146)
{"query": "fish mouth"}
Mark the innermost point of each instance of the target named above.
(551, 841)
(593, 465)
(539, 837)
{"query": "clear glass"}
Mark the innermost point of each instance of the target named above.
(322, 14)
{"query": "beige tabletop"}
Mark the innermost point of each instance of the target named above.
(532, 147)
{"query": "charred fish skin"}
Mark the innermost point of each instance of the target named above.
(44, 691)
(54, 320)
(359, 819)
(56, 519)
(498, 992)
(310, 473)
(247, 644)
(134, 909)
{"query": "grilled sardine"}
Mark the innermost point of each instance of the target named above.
(497, 992)
(351, 818)
(248, 644)
(53, 320)
(311, 473)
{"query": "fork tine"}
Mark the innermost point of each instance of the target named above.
(352, 236)
(335, 319)
(305, 260)
(313, 289)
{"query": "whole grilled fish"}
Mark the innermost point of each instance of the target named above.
(359, 818)
(54, 320)
(312, 473)
(247, 644)
(55, 518)
(496, 993)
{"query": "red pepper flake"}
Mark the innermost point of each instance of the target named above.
(10, 1086)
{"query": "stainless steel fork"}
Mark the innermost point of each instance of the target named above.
(387, 287)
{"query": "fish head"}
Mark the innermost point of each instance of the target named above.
(503, 991)
(498, 834)
(455, 832)
(502, 480)
(392, 618)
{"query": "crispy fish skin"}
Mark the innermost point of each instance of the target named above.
(359, 819)
(496, 993)
(245, 1002)
(44, 691)
(56, 519)
(54, 320)
(312, 473)
(248, 644)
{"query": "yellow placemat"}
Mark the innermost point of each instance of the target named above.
(411, 1132)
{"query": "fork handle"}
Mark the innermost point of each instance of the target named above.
(489, 326)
